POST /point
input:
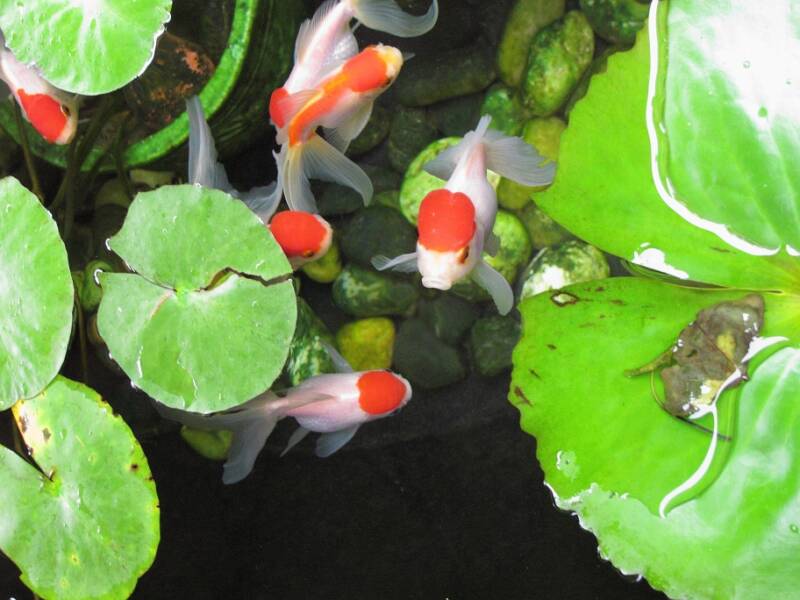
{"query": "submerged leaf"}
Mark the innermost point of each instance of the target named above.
(85, 524)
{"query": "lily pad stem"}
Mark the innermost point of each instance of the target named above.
(26, 152)
(82, 340)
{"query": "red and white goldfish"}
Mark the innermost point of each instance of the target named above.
(335, 405)
(326, 41)
(455, 223)
(341, 103)
(51, 112)
(303, 237)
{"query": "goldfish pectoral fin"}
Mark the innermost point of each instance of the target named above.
(263, 200)
(328, 443)
(497, 286)
(298, 436)
(443, 165)
(341, 133)
(248, 440)
(404, 263)
(492, 245)
(386, 15)
(323, 161)
(515, 159)
(339, 362)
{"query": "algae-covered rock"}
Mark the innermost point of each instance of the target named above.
(89, 291)
(340, 200)
(448, 316)
(559, 55)
(326, 268)
(389, 198)
(437, 76)
(417, 182)
(377, 230)
(411, 131)
(307, 354)
(598, 66)
(515, 252)
(616, 21)
(542, 230)
(544, 134)
(367, 344)
(425, 360)
(502, 104)
(213, 445)
(456, 116)
(562, 265)
(527, 17)
(366, 293)
(375, 131)
(491, 344)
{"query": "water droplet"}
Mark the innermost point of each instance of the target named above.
(794, 528)
(746, 64)
(762, 112)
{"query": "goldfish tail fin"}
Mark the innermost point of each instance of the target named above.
(263, 200)
(328, 443)
(322, 161)
(204, 168)
(387, 16)
(405, 263)
(497, 286)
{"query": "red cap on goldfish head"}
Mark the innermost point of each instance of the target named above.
(46, 114)
(373, 68)
(301, 234)
(381, 392)
(446, 221)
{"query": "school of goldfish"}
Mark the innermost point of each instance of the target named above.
(323, 105)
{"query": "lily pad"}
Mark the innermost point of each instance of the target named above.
(85, 524)
(88, 48)
(36, 295)
(611, 454)
(604, 191)
(205, 322)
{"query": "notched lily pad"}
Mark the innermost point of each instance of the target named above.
(85, 524)
(205, 322)
(84, 47)
(36, 295)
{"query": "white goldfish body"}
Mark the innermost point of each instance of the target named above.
(51, 112)
(335, 405)
(455, 222)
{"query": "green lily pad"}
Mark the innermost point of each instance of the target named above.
(88, 48)
(36, 295)
(728, 106)
(205, 322)
(85, 524)
(604, 191)
(610, 453)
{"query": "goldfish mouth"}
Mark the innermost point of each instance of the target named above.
(435, 283)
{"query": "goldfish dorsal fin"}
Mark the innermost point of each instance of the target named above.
(386, 15)
(339, 362)
(404, 263)
(310, 27)
(497, 286)
(443, 165)
(308, 39)
(328, 443)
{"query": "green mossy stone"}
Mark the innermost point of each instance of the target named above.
(508, 114)
(377, 230)
(491, 344)
(366, 293)
(448, 316)
(390, 199)
(598, 66)
(417, 183)
(340, 200)
(525, 20)
(367, 344)
(542, 230)
(374, 132)
(307, 354)
(438, 76)
(559, 55)
(411, 131)
(559, 266)
(424, 359)
(89, 291)
(213, 445)
(326, 268)
(544, 134)
(456, 116)
(616, 21)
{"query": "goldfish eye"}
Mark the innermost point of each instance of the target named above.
(65, 109)
(308, 254)
(463, 255)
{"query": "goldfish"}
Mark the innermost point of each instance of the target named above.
(334, 405)
(326, 41)
(342, 104)
(303, 237)
(51, 112)
(455, 222)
